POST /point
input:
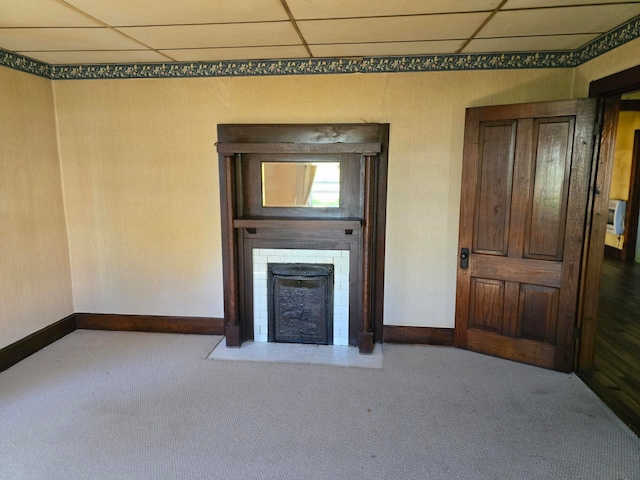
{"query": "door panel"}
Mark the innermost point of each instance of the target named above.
(547, 210)
(487, 301)
(494, 191)
(538, 313)
(523, 208)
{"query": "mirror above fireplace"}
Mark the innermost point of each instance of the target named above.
(301, 184)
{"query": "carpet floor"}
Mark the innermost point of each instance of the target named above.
(120, 405)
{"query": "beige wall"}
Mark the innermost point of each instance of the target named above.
(618, 59)
(141, 184)
(35, 282)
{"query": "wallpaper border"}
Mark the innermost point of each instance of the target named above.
(322, 66)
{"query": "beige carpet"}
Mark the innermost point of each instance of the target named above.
(116, 405)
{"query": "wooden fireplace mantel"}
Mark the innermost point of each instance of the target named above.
(236, 148)
(358, 225)
(302, 223)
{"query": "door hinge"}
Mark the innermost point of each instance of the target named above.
(577, 332)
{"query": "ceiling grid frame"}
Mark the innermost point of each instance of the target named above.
(345, 43)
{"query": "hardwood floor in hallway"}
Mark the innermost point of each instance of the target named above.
(616, 376)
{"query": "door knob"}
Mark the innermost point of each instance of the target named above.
(464, 258)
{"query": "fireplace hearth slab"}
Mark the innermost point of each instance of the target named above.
(337, 355)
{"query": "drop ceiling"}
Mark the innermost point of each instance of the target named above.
(82, 32)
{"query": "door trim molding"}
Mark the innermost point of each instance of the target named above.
(608, 91)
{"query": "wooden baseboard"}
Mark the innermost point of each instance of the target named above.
(418, 335)
(612, 252)
(151, 323)
(14, 353)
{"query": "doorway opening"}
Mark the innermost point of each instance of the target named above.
(608, 359)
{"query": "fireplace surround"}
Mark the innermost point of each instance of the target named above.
(339, 259)
(355, 225)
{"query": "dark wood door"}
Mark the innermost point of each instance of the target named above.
(525, 184)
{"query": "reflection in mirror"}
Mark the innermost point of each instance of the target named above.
(301, 184)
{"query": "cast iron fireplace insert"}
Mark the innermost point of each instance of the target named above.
(300, 299)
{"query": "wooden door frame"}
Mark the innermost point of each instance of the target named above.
(608, 91)
(633, 205)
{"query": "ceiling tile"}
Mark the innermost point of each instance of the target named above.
(553, 21)
(89, 57)
(226, 35)
(172, 12)
(385, 49)
(553, 3)
(249, 53)
(390, 29)
(528, 44)
(41, 13)
(313, 9)
(38, 39)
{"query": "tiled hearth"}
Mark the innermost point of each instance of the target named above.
(336, 355)
(339, 258)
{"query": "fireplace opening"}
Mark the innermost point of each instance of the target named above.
(300, 302)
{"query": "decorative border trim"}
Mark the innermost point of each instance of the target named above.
(607, 42)
(418, 335)
(25, 64)
(324, 66)
(18, 351)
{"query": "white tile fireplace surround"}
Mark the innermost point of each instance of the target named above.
(339, 258)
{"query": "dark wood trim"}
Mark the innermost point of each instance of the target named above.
(365, 332)
(345, 224)
(249, 194)
(353, 142)
(598, 210)
(633, 205)
(150, 323)
(577, 217)
(418, 335)
(235, 148)
(608, 91)
(379, 234)
(18, 351)
(630, 105)
(612, 252)
(230, 255)
(616, 84)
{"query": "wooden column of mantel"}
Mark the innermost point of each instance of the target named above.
(365, 333)
(232, 329)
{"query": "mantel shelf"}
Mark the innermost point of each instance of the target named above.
(291, 223)
(311, 148)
